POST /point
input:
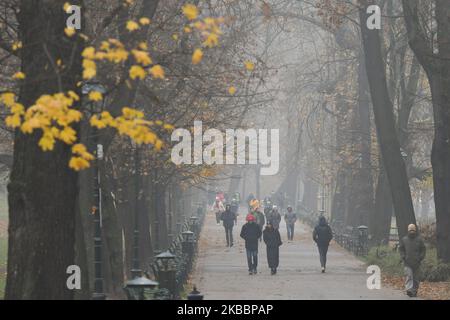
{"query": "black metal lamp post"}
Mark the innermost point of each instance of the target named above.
(363, 235)
(188, 242)
(136, 288)
(98, 293)
(193, 224)
(195, 294)
(167, 271)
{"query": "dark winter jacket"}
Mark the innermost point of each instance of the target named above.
(412, 250)
(322, 233)
(229, 218)
(272, 240)
(260, 220)
(251, 232)
(274, 218)
(271, 237)
(290, 218)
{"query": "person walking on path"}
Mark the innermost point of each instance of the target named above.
(229, 220)
(290, 218)
(251, 232)
(412, 251)
(322, 236)
(272, 239)
(218, 208)
(274, 217)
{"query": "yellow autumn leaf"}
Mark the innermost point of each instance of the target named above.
(19, 75)
(157, 72)
(212, 40)
(78, 163)
(89, 69)
(250, 66)
(142, 57)
(190, 11)
(16, 45)
(197, 56)
(47, 142)
(13, 121)
(68, 135)
(7, 98)
(97, 123)
(137, 72)
(232, 90)
(95, 96)
(132, 25)
(69, 31)
(88, 53)
(144, 21)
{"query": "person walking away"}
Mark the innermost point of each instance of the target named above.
(412, 251)
(234, 206)
(259, 216)
(272, 239)
(290, 218)
(322, 236)
(251, 232)
(275, 217)
(218, 208)
(229, 220)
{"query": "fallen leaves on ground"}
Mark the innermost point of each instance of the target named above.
(427, 290)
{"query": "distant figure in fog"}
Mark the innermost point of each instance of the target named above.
(322, 236)
(290, 218)
(229, 220)
(251, 232)
(218, 208)
(274, 217)
(412, 251)
(272, 239)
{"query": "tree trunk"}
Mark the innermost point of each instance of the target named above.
(43, 189)
(381, 220)
(385, 124)
(437, 67)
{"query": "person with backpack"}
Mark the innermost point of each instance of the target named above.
(218, 208)
(251, 232)
(229, 220)
(322, 236)
(274, 217)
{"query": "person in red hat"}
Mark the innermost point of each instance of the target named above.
(251, 232)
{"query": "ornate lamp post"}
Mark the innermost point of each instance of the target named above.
(98, 293)
(136, 288)
(188, 242)
(193, 224)
(195, 294)
(167, 271)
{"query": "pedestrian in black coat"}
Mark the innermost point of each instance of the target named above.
(229, 220)
(272, 239)
(322, 236)
(251, 232)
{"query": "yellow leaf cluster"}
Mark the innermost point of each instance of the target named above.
(190, 11)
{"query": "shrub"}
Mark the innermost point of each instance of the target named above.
(389, 261)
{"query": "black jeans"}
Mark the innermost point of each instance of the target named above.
(229, 235)
(252, 259)
(290, 231)
(323, 255)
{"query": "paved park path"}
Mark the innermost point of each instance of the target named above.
(221, 272)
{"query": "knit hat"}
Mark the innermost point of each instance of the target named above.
(250, 217)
